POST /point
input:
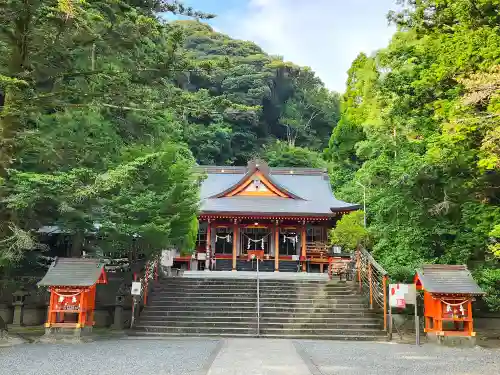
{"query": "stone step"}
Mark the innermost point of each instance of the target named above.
(273, 287)
(248, 281)
(321, 331)
(263, 324)
(312, 304)
(202, 303)
(167, 335)
(197, 330)
(263, 300)
(211, 305)
(263, 331)
(269, 314)
(252, 283)
(188, 299)
(333, 337)
(270, 288)
(262, 295)
(159, 335)
(262, 292)
(264, 319)
(209, 309)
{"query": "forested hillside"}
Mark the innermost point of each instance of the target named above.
(271, 99)
(420, 129)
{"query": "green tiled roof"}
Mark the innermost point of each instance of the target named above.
(72, 272)
(448, 279)
(311, 188)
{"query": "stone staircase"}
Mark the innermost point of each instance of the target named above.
(228, 307)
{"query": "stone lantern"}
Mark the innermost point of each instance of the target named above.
(19, 297)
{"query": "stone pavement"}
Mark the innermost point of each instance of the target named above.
(258, 357)
(244, 356)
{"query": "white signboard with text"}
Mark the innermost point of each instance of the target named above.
(136, 288)
(401, 295)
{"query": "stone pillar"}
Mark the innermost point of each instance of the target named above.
(235, 243)
(19, 297)
(276, 247)
(118, 315)
(303, 252)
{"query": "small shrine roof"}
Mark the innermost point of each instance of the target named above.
(447, 279)
(73, 272)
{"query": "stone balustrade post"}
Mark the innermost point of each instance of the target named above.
(118, 314)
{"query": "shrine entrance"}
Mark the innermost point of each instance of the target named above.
(290, 241)
(256, 240)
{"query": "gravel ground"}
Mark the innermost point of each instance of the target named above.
(349, 358)
(114, 357)
(200, 356)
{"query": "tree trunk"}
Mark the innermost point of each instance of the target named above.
(76, 245)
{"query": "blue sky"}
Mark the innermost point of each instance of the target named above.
(323, 34)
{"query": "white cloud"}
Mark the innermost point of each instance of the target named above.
(326, 35)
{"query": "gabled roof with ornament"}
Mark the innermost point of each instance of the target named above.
(75, 272)
(446, 279)
(260, 190)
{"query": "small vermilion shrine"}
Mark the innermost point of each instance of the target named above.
(72, 284)
(449, 291)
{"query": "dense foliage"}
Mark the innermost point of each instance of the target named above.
(420, 128)
(105, 109)
(350, 232)
(89, 131)
(264, 100)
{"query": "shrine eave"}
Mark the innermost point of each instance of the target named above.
(266, 216)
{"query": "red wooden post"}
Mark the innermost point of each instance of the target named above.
(303, 253)
(276, 247)
(469, 316)
(235, 244)
(80, 313)
(208, 245)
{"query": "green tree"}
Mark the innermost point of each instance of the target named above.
(349, 232)
(427, 106)
(281, 154)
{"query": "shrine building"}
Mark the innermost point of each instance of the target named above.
(278, 215)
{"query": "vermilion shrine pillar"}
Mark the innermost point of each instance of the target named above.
(208, 245)
(235, 243)
(303, 246)
(276, 247)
